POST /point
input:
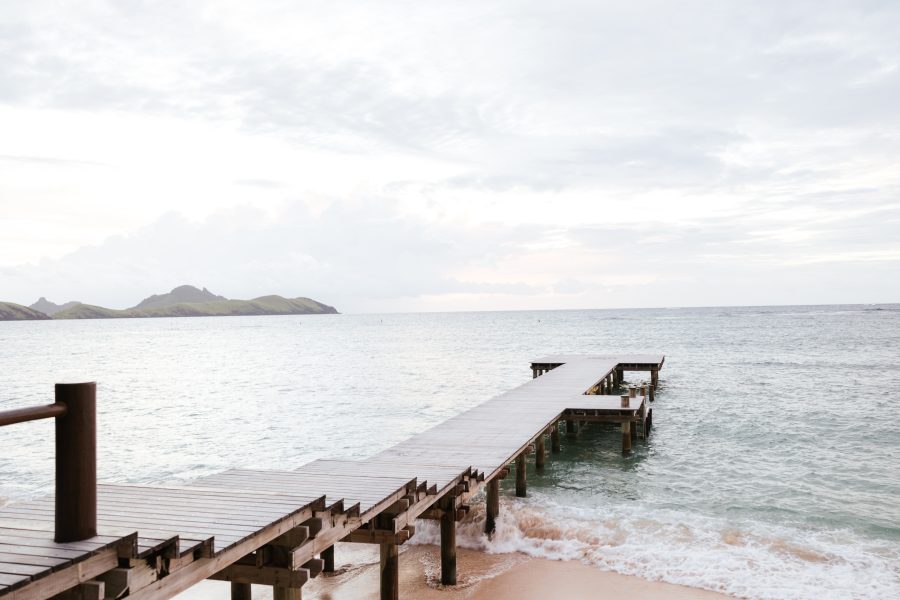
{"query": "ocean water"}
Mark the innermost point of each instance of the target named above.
(773, 470)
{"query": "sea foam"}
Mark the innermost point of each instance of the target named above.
(764, 562)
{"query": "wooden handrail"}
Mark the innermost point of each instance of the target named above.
(75, 411)
(32, 413)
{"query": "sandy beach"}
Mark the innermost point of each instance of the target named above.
(482, 576)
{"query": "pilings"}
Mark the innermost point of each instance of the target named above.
(286, 593)
(492, 506)
(390, 572)
(240, 591)
(520, 475)
(448, 546)
(626, 436)
(539, 452)
(554, 439)
(327, 557)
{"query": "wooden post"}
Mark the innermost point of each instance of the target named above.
(448, 546)
(620, 375)
(650, 389)
(632, 392)
(633, 431)
(539, 452)
(285, 593)
(520, 475)
(492, 506)
(643, 389)
(626, 436)
(390, 572)
(554, 439)
(76, 462)
(654, 377)
(240, 591)
(327, 557)
(534, 372)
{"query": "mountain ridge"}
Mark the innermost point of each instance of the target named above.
(172, 304)
(51, 308)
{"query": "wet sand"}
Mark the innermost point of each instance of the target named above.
(481, 577)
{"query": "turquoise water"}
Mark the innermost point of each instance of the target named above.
(772, 471)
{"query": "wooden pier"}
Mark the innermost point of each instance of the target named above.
(279, 528)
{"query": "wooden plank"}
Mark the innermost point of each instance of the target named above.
(26, 559)
(65, 578)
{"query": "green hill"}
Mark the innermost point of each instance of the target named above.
(183, 294)
(266, 305)
(16, 312)
(183, 301)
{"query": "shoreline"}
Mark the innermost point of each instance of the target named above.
(482, 576)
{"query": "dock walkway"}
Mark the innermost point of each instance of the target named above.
(279, 528)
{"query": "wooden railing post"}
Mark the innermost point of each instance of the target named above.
(76, 462)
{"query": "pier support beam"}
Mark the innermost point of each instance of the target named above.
(620, 375)
(521, 487)
(539, 452)
(327, 557)
(571, 428)
(650, 390)
(390, 572)
(654, 377)
(492, 506)
(240, 591)
(284, 593)
(626, 436)
(448, 547)
(554, 439)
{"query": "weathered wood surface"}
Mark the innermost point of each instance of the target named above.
(201, 530)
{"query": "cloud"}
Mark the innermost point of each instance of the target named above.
(387, 154)
(362, 256)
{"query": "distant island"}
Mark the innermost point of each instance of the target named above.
(183, 301)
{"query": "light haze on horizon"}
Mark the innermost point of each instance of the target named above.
(406, 156)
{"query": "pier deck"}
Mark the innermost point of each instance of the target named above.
(268, 527)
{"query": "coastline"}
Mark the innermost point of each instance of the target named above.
(483, 576)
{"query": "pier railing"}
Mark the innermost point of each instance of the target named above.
(75, 411)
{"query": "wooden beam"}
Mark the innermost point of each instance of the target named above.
(240, 591)
(279, 576)
(60, 581)
(390, 572)
(539, 452)
(520, 475)
(492, 506)
(448, 548)
(380, 536)
(283, 593)
(327, 556)
(200, 569)
(123, 580)
(89, 590)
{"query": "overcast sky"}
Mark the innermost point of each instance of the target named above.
(393, 156)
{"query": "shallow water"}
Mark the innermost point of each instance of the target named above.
(771, 472)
